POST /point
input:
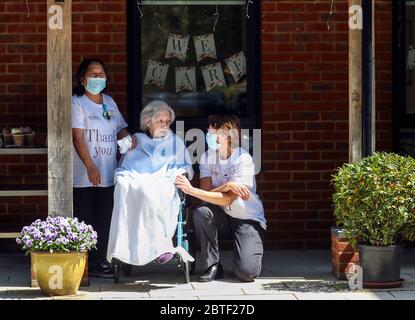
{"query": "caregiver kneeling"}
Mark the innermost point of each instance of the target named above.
(146, 200)
(231, 208)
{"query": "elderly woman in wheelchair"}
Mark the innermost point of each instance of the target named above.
(146, 200)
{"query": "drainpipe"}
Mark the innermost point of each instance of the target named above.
(368, 79)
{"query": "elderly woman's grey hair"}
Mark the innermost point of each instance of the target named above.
(151, 111)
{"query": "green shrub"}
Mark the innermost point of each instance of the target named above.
(374, 199)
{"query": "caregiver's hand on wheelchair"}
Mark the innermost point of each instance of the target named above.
(238, 189)
(184, 184)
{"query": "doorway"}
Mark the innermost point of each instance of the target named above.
(404, 77)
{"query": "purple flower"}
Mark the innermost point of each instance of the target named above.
(61, 231)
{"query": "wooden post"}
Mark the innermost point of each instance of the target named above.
(355, 85)
(59, 88)
(59, 91)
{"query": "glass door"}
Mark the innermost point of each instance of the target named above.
(404, 77)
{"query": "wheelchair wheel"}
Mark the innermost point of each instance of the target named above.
(192, 251)
(116, 272)
(126, 269)
(186, 270)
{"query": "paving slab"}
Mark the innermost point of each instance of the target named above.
(289, 274)
(256, 297)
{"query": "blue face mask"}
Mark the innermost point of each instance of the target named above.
(211, 141)
(96, 85)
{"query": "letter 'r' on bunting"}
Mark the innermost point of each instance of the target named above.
(213, 76)
(156, 73)
(177, 46)
(186, 79)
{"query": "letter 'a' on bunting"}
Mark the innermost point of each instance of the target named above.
(177, 46)
(213, 76)
(237, 65)
(186, 79)
(156, 73)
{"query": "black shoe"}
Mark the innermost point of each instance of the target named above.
(102, 270)
(212, 273)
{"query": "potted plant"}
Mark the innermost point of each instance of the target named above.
(58, 248)
(374, 202)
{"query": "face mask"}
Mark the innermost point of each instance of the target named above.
(96, 85)
(211, 141)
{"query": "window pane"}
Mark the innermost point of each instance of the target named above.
(410, 49)
(159, 21)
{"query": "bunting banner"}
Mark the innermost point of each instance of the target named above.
(185, 79)
(237, 65)
(205, 47)
(177, 46)
(156, 73)
(213, 76)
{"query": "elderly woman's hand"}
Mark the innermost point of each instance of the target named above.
(184, 184)
(133, 142)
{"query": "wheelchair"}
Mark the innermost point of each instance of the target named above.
(184, 237)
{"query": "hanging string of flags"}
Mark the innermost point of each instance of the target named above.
(213, 75)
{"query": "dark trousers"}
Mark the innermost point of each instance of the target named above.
(211, 224)
(94, 206)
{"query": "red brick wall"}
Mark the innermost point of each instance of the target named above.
(98, 30)
(305, 112)
(304, 93)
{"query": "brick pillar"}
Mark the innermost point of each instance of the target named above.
(343, 256)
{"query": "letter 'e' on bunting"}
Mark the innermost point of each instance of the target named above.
(186, 79)
(156, 73)
(237, 65)
(205, 47)
(213, 76)
(177, 46)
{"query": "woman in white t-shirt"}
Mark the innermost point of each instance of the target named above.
(97, 124)
(231, 208)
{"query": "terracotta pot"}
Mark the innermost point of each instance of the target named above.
(58, 274)
(18, 140)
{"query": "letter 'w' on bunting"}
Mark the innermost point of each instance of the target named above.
(177, 46)
(185, 79)
(237, 65)
(213, 76)
(205, 47)
(156, 73)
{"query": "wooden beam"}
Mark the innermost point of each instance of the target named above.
(59, 88)
(355, 87)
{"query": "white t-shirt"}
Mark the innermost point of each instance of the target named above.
(240, 168)
(100, 137)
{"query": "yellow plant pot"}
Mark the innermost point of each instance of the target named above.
(58, 274)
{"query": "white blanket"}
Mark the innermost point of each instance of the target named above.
(146, 202)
